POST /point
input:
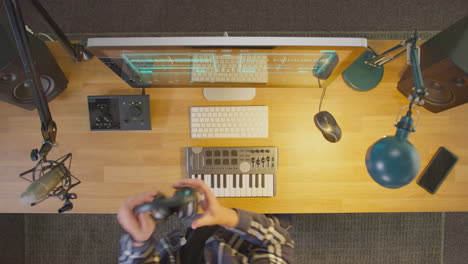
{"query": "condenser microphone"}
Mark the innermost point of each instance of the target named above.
(39, 189)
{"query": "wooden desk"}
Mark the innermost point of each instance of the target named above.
(314, 176)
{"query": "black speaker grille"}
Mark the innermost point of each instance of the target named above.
(437, 92)
(23, 94)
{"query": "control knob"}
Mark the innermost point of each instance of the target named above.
(135, 111)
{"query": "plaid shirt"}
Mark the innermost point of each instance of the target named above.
(256, 239)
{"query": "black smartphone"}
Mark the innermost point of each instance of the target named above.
(437, 170)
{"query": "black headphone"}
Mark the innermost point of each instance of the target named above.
(184, 202)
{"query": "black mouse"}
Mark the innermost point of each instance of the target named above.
(326, 123)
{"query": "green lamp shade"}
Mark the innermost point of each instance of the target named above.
(393, 162)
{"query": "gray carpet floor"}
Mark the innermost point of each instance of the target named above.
(373, 19)
(104, 16)
(320, 238)
(368, 238)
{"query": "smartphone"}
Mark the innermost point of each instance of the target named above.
(437, 170)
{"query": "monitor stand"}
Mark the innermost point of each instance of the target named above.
(229, 94)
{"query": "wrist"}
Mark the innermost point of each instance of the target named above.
(230, 217)
(138, 242)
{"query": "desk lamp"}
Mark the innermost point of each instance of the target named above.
(55, 179)
(391, 161)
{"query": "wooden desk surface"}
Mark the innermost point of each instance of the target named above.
(314, 176)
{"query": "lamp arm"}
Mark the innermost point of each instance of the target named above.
(419, 89)
(386, 56)
(413, 61)
(412, 51)
(393, 162)
(77, 51)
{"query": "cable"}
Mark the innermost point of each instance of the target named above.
(46, 36)
(324, 89)
(39, 34)
(411, 105)
(29, 29)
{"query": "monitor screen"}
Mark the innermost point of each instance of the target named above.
(227, 61)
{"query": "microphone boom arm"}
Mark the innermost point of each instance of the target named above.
(48, 126)
(77, 51)
(33, 82)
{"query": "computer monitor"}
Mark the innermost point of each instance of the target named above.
(241, 63)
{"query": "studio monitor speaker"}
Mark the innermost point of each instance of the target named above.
(444, 67)
(12, 77)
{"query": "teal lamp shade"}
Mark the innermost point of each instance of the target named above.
(393, 162)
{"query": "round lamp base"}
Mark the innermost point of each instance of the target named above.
(361, 76)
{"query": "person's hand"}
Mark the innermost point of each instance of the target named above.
(141, 226)
(213, 212)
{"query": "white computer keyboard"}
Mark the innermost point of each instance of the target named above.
(207, 68)
(229, 121)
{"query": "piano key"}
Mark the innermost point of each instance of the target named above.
(259, 189)
(202, 177)
(219, 185)
(215, 188)
(249, 183)
(234, 181)
(261, 183)
(192, 176)
(254, 185)
(226, 184)
(207, 180)
(223, 184)
(223, 187)
(237, 190)
(241, 181)
(229, 192)
(212, 181)
(234, 188)
(269, 180)
(245, 190)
